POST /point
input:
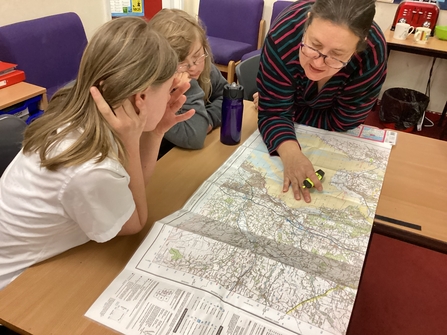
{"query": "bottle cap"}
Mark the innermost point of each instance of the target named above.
(233, 91)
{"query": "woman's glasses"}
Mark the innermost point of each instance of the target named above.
(328, 60)
(185, 67)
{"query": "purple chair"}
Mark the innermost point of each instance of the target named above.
(48, 49)
(278, 7)
(234, 27)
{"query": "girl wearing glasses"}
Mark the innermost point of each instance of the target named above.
(82, 172)
(323, 65)
(188, 39)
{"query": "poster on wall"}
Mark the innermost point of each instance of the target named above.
(441, 3)
(126, 8)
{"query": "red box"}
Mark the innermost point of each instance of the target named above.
(11, 78)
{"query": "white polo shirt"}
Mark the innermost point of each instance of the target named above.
(44, 213)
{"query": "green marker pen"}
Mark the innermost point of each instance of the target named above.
(309, 184)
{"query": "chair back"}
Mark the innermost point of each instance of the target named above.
(246, 72)
(48, 49)
(11, 137)
(236, 20)
(278, 7)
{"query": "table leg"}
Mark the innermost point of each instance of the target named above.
(444, 112)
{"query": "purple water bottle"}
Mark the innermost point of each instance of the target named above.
(232, 109)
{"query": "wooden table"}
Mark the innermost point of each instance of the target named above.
(433, 48)
(52, 297)
(414, 191)
(22, 91)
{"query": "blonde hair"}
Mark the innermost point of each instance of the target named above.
(182, 30)
(123, 58)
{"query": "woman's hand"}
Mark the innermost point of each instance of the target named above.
(127, 124)
(170, 118)
(297, 168)
(256, 99)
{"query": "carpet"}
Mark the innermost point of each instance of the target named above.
(403, 290)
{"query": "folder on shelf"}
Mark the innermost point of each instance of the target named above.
(11, 78)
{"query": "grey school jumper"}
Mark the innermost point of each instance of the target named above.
(191, 133)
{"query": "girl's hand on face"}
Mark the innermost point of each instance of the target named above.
(181, 78)
(127, 123)
(170, 117)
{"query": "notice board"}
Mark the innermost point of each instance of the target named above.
(127, 8)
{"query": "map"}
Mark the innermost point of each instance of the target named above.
(293, 264)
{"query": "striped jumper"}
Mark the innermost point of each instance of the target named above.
(286, 95)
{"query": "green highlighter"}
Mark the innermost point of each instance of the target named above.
(308, 183)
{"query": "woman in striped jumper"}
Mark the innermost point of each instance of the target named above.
(323, 65)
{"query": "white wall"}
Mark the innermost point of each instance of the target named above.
(93, 13)
(404, 70)
(178, 4)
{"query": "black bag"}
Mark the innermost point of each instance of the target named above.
(401, 108)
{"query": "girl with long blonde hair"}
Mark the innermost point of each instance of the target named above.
(187, 37)
(84, 165)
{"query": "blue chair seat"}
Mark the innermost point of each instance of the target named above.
(226, 50)
(251, 54)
